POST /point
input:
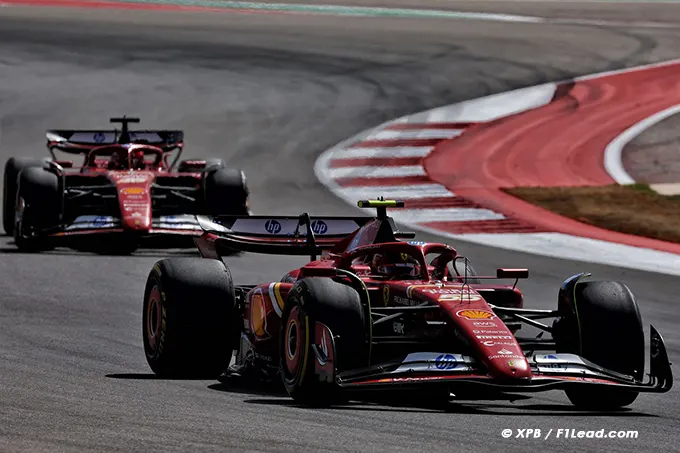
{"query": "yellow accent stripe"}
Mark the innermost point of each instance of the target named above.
(277, 293)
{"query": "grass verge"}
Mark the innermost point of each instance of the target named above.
(634, 209)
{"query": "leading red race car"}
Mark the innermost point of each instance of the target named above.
(376, 312)
(127, 192)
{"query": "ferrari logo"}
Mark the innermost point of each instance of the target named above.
(386, 294)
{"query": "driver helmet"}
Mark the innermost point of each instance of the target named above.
(138, 160)
(395, 265)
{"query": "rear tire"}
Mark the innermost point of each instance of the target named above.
(38, 190)
(188, 319)
(226, 192)
(605, 321)
(336, 305)
(10, 183)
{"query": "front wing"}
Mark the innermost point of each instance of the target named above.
(169, 224)
(165, 231)
(550, 372)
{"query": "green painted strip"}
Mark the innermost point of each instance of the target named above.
(344, 10)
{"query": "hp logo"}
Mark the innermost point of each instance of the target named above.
(100, 221)
(445, 362)
(319, 227)
(272, 226)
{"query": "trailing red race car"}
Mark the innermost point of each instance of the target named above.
(127, 193)
(377, 312)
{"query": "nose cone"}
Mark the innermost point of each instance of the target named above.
(476, 324)
(134, 197)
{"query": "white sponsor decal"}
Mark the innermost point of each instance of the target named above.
(91, 222)
(559, 361)
(134, 179)
(95, 138)
(435, 362)
(505, 352)
(464, 297)
(404, 301)
(288, 227)
(494, 337)
(484, 324)
(178, 222)
(497, 343)
(514, 356)
(448, 291)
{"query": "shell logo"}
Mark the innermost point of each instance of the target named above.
(475, 314)
(132, 191)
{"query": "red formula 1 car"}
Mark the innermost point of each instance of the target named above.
(376, 312)
(126, 194)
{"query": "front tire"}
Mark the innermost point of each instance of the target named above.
(13, 167)
(188, 318)
(38, 195)
(603, 325)
(336, 305)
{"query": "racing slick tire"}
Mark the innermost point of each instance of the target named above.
(226, 192)
(338, 306)
(210, 164)
(188, 318)
(462, 268)
(604, 319)
(38, 191)
(13, 167)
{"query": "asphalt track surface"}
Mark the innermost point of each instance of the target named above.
(269, 93)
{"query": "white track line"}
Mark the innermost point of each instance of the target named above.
(376, 172)
(382, 152)
(613, 152)
(415, 133)
(489, 108)
(564, 246)
(444, 215)
(409, 192)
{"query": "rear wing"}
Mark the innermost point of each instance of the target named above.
(82, 141)
(288, 235)
(279, 235)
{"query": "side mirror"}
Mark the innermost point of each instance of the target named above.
(64, 163)
(512, 273)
